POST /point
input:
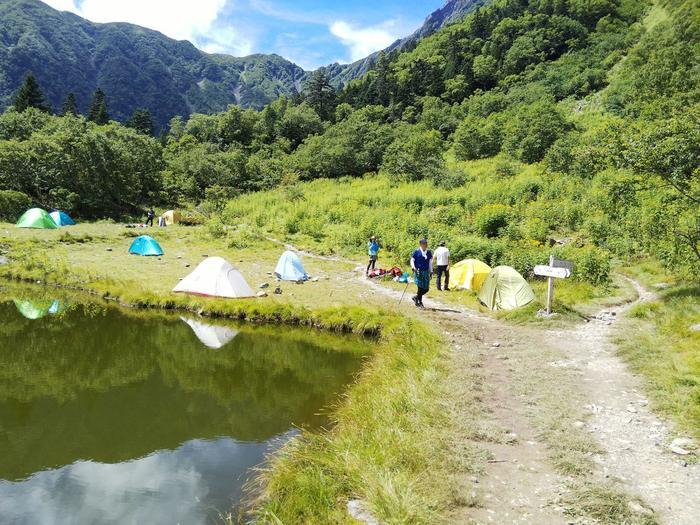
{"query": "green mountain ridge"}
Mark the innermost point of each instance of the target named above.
(135, 66)
(142, 68)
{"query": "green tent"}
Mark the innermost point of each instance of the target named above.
(37, 309)
(505, 289)
(36, 218)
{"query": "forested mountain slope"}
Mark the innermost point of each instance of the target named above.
(452, 11)
(136, 67)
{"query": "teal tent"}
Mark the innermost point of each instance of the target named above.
(61, 218)
(145, 245)
(36, 218)
(289, 268)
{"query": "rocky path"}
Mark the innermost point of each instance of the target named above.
(519, 484)
(637, 443)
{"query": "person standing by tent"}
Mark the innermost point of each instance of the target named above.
(373, 248)
(150, 215)
(442, 261)
(422, 265)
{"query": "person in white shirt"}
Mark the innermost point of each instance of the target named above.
(442, 262)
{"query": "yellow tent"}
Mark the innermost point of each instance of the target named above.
(172, 217)
(469, 274)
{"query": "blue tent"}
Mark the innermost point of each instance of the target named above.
(289, 268)
(62, 218)
(145, 245)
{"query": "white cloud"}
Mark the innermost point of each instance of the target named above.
(364, 41)
(178, 19)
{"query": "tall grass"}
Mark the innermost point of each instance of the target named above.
(387, 446)
(495, 216)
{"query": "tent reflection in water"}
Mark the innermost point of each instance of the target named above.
(211, 336)
(34, 310)
(505, 289)
(215, 277)
(290, 268)
(469, 274)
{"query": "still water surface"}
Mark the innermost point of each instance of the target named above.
(108, 416)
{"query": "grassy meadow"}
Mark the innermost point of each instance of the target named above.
(662, 342)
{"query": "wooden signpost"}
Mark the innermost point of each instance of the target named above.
(557, 269)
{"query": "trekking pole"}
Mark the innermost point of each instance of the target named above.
(404, 291)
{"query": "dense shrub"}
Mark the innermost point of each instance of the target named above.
(492, 219)
(13, 204)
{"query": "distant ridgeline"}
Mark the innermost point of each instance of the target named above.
(134, 66)
(140, 68)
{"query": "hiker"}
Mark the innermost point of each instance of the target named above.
(422, 265)
(442, 262)
(150, 215)
(373, 248)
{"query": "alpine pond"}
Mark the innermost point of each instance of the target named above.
(115, 416)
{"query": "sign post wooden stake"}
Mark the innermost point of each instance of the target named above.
(550, 288)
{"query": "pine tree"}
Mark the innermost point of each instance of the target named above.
(70, 106)
(141, 121)
(98, 108)
(29, 95)
(321, 95)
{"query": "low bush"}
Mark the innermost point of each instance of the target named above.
(13, 204)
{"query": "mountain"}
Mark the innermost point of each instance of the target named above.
(136, 67)
(142, 68)
(449, 13)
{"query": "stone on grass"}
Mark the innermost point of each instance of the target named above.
(3, 260)
(682, 446)
(496, 345)
(278, 290)
(262, 293)
(695, 328)
(358, 511)
(109, 249)
(264, 285)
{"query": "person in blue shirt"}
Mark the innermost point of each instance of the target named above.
(373, 248)
(422, 265)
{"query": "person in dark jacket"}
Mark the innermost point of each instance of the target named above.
(150, 215)
(422, 265)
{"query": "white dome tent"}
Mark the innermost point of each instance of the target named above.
(211, 336)
(215, 277)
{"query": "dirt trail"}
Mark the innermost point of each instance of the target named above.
(519, 484)
(634, 438)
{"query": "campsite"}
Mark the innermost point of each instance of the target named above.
(359, 263)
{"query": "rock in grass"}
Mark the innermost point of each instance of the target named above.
(314, 280)
(695, 328)
(261, 294)
(638, 508)
(358, 511)
(3, 260)
(496, 345)
(682, 446)
(109, 249)
(264, 285)
(278, 290)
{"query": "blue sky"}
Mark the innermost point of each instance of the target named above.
(310, 33)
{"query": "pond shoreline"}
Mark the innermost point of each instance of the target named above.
(397, 391)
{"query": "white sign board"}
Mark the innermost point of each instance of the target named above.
(549, 271)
